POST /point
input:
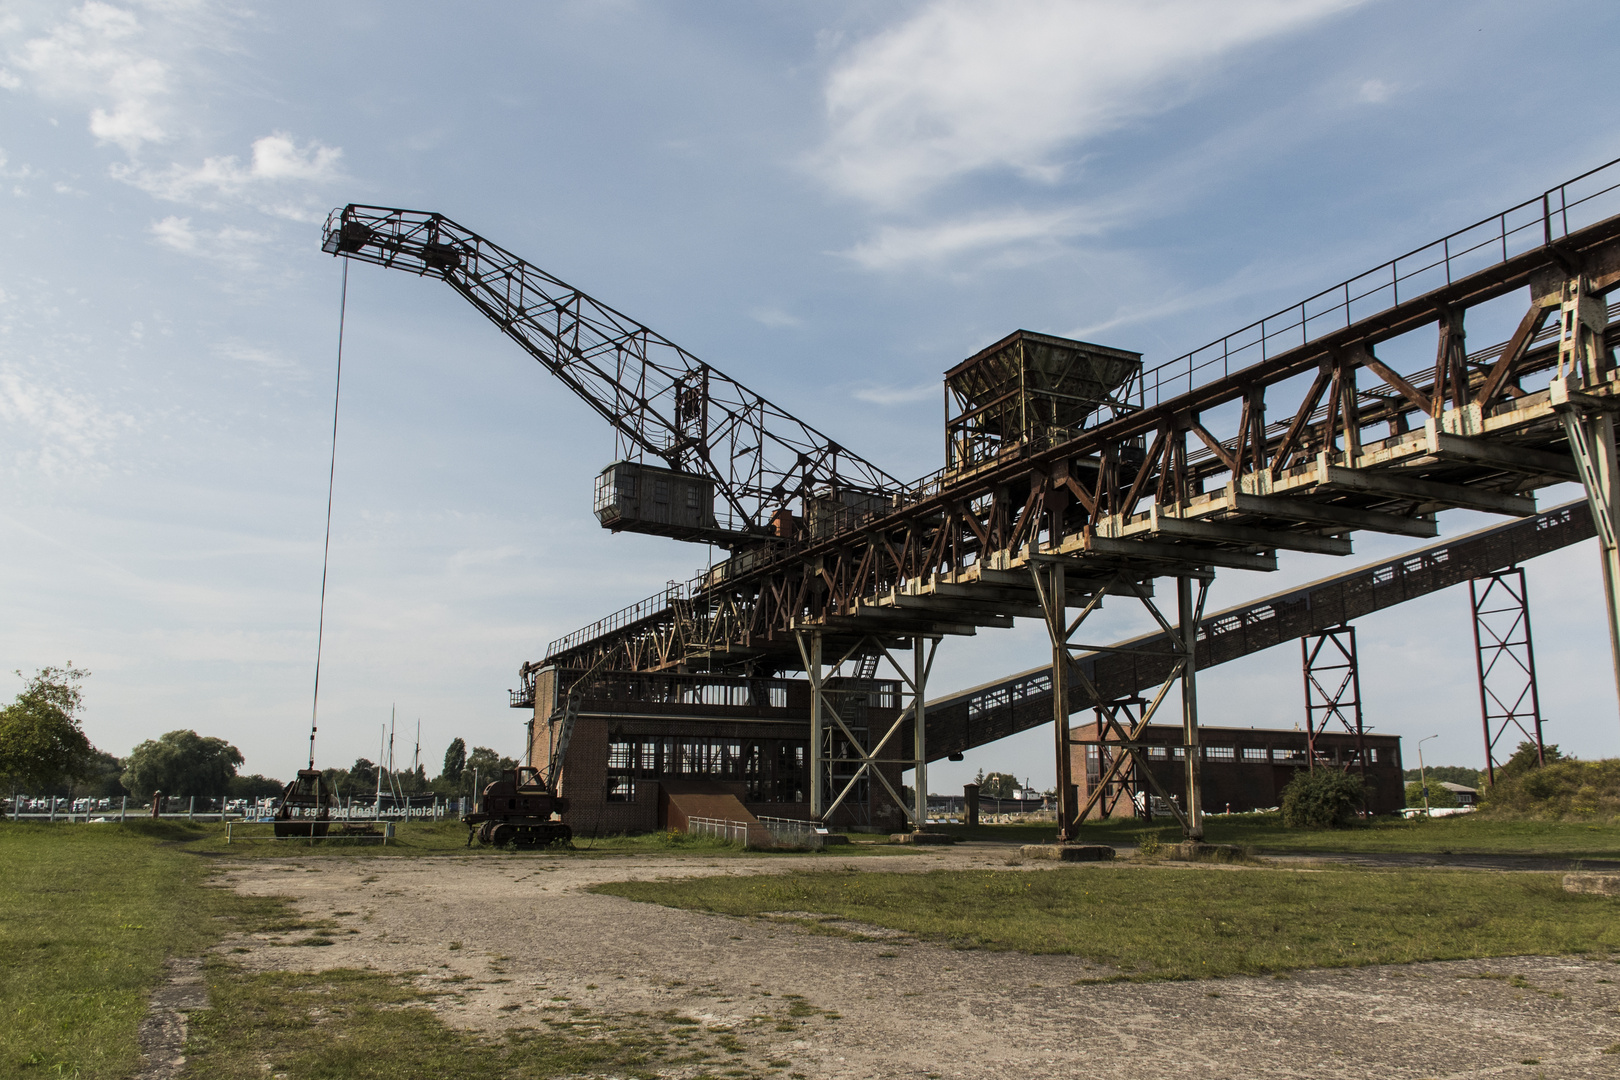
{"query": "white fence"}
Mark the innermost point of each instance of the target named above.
(720, 828)
(189, 808)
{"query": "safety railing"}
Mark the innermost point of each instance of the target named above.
(720, 828)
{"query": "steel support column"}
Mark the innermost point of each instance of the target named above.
(922, 659)
(1187, 624)
(1182, 641)
(1505, 657)
(1055, 608)
(833, 701)
(1332, 689)
(1584, 360)
(812, 670)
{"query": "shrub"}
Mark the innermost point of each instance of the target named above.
(1322, 799)
(1563, 789)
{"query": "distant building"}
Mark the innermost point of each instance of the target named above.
(1243, 768)
(642, 737)
(1466, 796)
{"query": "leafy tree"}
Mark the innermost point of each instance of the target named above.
(1446, 774)
(41, 739)
(254, 787)
(364, 773)
(1524, 759)
(998, 785)
(182, 763)
(104, 779)
(1322, 799)
(488, 763)
(455, 761)
(1439, 797)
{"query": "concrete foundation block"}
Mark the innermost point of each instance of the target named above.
(1068, 852)
(1597, 884)
(921, 838)
(1198, 851)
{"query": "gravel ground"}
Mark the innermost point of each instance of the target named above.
(518, 935)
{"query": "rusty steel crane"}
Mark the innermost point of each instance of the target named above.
(1073, 473)
(714, 440)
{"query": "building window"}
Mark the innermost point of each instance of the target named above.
(619, 788)
(1219, 753)
(695, 502)
(660, 491)
(1255, 753)
(1157, 753)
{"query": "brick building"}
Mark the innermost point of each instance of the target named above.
(639, 736)
(1243, 768)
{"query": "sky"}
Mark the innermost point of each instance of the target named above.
(831, 202)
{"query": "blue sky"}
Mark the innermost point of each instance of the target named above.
(831, 202)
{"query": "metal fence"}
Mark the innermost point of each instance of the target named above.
(200, 808)
(720, 828)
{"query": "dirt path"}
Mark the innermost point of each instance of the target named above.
(519, 935)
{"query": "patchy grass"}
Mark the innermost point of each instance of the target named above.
(88, 915)
(1173, 923)
(1464, 834)
(358, 1025)
(435, 838)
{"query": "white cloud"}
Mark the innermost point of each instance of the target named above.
(1374, 91)
(962, 87)
(232, 247)
(55, 432)
(998, 232)
(269, 360)
(897, 395)
(268, 182)
(91, 56)
(175, 233)
(775, 318)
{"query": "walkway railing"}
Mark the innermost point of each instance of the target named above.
(720, 828)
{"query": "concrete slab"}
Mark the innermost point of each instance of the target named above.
(1600, 884)
(1068, 852)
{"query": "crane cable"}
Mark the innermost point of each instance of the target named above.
(331, 479)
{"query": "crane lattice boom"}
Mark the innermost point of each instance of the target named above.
(664, 402)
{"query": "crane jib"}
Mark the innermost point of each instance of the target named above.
(727, 462)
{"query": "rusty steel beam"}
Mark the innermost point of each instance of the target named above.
(959, 722)
(1154, 487)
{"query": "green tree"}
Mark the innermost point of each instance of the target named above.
(998, 785)
(1439, 797)
(455, 761)
(182, 763)
(1322, 799)
(364, 773)
(41, 740)
(1448, 774)
(488, 764)
(1525, 758)
(254, 787)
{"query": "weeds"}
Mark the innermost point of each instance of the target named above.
(1200, 924)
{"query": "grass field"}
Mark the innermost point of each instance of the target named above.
(1463, 834)
(1187, 923)
(88, 915)
(378, 1027)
